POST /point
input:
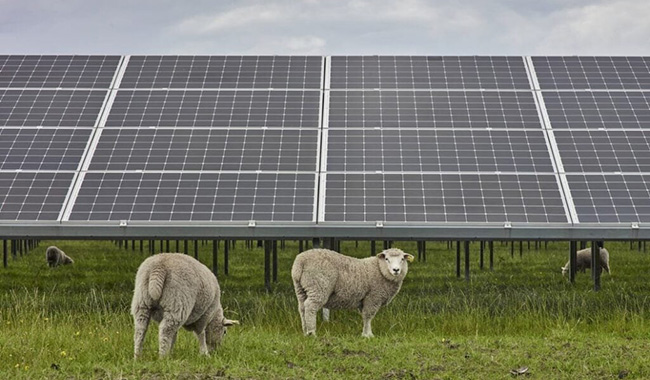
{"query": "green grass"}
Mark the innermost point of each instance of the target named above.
(73, 322)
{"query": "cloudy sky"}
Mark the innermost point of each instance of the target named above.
(326, 27)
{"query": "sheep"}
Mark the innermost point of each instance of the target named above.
(326, 279)
(177, 291)
(583, 260)
(55, 257)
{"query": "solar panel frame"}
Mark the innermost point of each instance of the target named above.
(611, 198)
(33, 196)
(196, 197)
(432, 109)
(285, 149)
(593, 73)
(58, 71)
(432, 72)
(224, 72)
(215, 109)
(591, 109)
(438, 150)
(42, 148)
(442, 198)
(50, 108)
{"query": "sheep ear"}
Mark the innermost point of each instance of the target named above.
(410, 258)
(230, 322)
(381, 255)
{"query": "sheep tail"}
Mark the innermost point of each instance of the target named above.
(156, 283)
(296, 270)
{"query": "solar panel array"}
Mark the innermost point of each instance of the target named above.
(325, 140)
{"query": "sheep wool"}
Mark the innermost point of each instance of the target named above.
(583, 261)
(177, 291)
(55, 257)
(326, 279)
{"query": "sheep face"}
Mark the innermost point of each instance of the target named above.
(215, 331)
(394, 263)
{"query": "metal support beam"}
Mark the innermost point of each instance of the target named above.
(373, 247)
(275, 261)
(467, 260)
(458, 259)
(267, 265)
(226, 258)
(4, 253)
(595, 264)
(481, 247)
(491, 247)
(215, 257)
(196, 248)
(573, 260)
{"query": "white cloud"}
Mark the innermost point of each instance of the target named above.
(232, 19)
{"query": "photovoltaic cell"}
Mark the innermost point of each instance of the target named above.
(215, 109)
(595, 73)
(604, 151)
(42, 148)
(405, 72)
(437, 150)
(433, 109)
(33, 196)
(207, 196)
(224, 72)
(206, 149)
(57, 71)
(50, 108)
(399, 197)
(611, 198)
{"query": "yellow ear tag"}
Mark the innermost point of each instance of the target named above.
(410, 258)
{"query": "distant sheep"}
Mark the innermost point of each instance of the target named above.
(55, 257)
(177, 291)
(326, 279)
(583, 260)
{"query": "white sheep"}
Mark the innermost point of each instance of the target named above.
(583, 260)
(326, 279)
(55, 257)
(177, 291)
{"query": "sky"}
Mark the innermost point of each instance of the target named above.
(326, 27)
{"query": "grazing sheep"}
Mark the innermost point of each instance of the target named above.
(56, 257)
(583, 260)
(326, 279)
(177, 291)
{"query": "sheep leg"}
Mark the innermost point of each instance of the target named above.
(141, 320)
(167, 335)
(203, 347)
(312, 305)
(368, 313)
(326, 314)
(301, 296)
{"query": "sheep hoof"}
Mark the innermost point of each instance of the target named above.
(369, 335)
(310, 333)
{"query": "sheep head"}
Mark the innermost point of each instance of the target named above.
(393, 263)
(216, 330)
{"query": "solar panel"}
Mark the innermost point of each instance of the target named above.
(598, 109)
(33, 196)
(596, 73)
(611, 198)
(224, 72)
(50, 108)
(461, 197)
(405, 72)
(206, 149)
(433, 109)
(215, 109)
(604, 151)
(57, 71)
(191, 196)
(42, 148)
(438, 150)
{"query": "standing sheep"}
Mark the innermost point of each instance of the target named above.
(55, 257)
(177, 290)
(583, 260)
(326, 279)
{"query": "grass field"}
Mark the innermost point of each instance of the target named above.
(73, 322)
